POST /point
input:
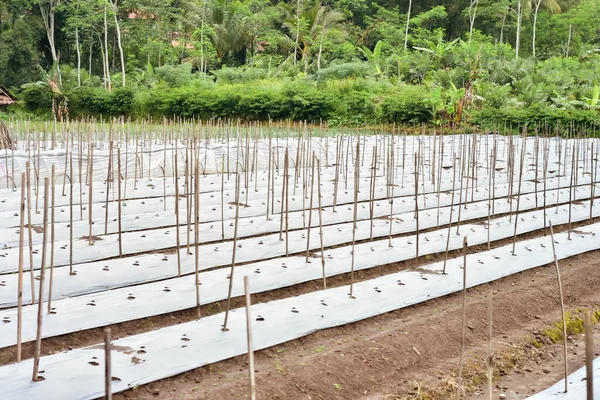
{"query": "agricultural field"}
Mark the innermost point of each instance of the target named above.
(226, 260)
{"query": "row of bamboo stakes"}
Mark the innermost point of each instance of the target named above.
(384, 160)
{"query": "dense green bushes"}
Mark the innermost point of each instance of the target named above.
(302, 100)
(341, 102)
(534, 116)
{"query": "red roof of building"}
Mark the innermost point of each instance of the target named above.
(5, 97)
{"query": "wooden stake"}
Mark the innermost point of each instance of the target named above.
(107, 366)
(29, 231)
(38, 339)
(51, 244)
(20, 286)
(196, 233)
(235, 235)
(490, 358)
(90, 188)
(249, 337)
(464, 318)
(356, 178)
(451, 211)
(312, 191)
(176, 156)
(417, 211)
(562, 307)
(71, 214)
(518, 196)
(321, 223)
(119, 205)
(589, 354)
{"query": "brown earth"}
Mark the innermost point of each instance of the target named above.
(395, 355)
(404, 354)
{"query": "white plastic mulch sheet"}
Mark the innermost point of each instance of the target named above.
(129, 303)
(577, 386)
(152, 161)
(101, 275)
(139, 359)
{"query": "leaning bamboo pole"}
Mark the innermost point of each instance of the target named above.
(38, 339)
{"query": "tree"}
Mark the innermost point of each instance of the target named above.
(407, 25)
(115, 10)
(472, 15)
(47, 11)
(551, 5)
(329, 19)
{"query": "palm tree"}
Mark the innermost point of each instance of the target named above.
(306, 26)
(231, 29)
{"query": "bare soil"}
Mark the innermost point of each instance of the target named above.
(410, 353)
(401, 353)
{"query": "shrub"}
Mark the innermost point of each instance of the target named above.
(37, 98)
(410, 104)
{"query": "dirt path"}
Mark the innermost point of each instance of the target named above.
(398, 354)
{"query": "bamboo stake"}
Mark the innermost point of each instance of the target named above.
(518, 197)
(20, 286)
(562, 307)
(593, 167)
(321, 223)
(38, 339)
(464, 318)
(283, 194)
(108, 179)
(196, 234)
(287, 204)
(249, 338)
(51, 245)
(235, 234)
(119, 205)
(176, 156)
(546, 157)
(107, 365)
(451, 211)
(589, 354)
(312, 190)
(29, 231)
(268, 177)
(90, 188)
(372, 192)
(356, 178)
(490, 359)
(417, 211)
(71, 215)
(188, 203)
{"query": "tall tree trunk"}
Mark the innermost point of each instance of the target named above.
(91, 54)
(108, 83)
(535, 15)
(48, 19)
(503, 25)
(472, 15)
(407, 24)
(78, 57)
(297, 31)
(519, 21)
(320, 49)
(116, 9)
(105, 79)
(202, 36)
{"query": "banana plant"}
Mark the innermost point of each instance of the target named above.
(591, 103)
(374, 57)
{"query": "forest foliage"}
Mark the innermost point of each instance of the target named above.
(348, 62)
